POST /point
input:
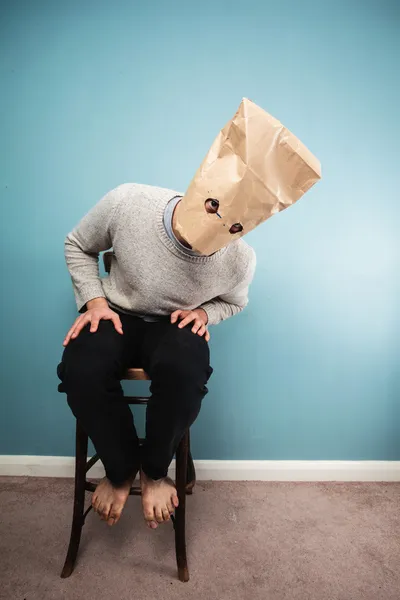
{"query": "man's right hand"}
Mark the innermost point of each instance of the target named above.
(97, 310)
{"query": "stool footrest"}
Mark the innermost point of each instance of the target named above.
(135, 490)
(92, 461)
(135, 400)
(90, 487)
(87, 511)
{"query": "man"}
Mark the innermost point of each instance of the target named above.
(153, 310)
(179, 265)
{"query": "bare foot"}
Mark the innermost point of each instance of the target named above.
(108, 501)
(159, 499)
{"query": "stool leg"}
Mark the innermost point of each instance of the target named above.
(191, 472)
(81, 442)
(180, 540)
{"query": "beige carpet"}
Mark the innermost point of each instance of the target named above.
(246, 540)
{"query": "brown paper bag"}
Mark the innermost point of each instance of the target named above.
(254, 169)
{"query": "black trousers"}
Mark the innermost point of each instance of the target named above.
(92, 366)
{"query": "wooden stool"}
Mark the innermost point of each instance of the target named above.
(185, 480)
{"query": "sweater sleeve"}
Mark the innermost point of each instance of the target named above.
(82, 246)
(229, 304)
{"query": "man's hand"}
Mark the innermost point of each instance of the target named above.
(97, 310)
(200, 318)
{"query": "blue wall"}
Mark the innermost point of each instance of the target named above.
(97, 93)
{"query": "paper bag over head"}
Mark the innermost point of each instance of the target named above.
(254, 169)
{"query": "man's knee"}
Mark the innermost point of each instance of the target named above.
(89, 361)
(185, 361)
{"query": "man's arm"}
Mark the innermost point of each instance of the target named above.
(227, 305)
(83, 244)
(233, 302)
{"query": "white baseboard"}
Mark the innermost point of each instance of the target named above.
(225, 470)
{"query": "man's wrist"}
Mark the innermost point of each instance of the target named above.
(97, 303)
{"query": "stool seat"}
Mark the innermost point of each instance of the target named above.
(136, 374)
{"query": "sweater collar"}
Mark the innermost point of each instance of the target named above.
(168, 224)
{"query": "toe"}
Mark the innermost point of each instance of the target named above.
(165, 514)
(152, 524)
(148, 512)
(174, 500)
(114, 516)
(102, 510)
(105, 512)
(170, 508)
(159, 515)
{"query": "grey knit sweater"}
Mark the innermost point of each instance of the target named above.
(149, 273)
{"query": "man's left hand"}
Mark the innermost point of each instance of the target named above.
(198, 315)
